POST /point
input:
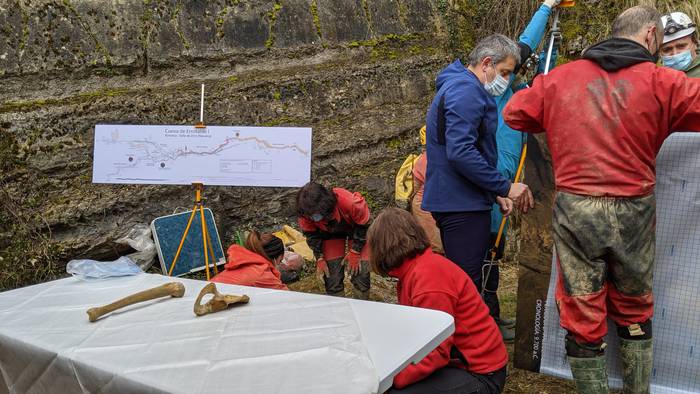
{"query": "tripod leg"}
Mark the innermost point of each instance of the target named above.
(211, 250)
(204, 241)
(182, 241)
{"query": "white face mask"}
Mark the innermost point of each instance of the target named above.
(498, 86)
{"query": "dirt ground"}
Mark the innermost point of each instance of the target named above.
(519, 381)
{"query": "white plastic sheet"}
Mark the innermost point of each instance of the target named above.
(676, 280)
(281, 342)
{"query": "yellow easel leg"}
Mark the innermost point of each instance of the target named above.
(182, 241)
(204, 241)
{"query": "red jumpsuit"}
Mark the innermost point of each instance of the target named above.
(328, 238)
(604, 130)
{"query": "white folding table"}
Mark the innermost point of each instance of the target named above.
(281, 342)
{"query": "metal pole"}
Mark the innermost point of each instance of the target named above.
(201, 108)
(555, 30)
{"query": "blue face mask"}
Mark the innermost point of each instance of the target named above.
(678, 62)
(498, 86)
(316, 217)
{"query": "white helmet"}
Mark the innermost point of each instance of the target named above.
(677, 25)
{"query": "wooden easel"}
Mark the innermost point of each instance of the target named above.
(198, 207)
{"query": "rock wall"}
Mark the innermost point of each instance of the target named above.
(360, 72)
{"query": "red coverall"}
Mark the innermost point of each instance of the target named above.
(604, 130)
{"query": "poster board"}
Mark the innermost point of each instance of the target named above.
(214, 155)
(167, 233)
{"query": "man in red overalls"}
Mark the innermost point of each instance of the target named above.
(605, 117)
(335, 224)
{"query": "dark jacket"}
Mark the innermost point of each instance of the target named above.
(462, 174)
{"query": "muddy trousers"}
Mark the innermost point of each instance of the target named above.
(605, 257)
(466, 238)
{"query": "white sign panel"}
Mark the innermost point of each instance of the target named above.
(215, 155)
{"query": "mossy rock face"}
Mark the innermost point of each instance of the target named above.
(359, 72)
(363, 103)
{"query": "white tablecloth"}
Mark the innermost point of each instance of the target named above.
(281, 342)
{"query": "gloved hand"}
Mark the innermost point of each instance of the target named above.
(322, 268)
(551, 3)
(352, 261)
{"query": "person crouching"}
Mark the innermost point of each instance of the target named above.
(335, 223)
(255, 264)
(474, 358)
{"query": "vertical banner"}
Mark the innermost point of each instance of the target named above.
(535, 257)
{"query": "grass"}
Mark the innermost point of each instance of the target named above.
(689, 7)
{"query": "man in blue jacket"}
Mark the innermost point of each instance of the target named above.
(462, 181)
(510, 144)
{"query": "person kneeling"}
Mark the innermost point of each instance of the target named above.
(254, 264)
(474, 358)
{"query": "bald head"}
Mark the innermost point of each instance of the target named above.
(635, 20)
(641, 24)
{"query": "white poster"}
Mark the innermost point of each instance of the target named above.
(215, 155)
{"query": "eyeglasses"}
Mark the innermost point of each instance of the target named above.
(672, 27)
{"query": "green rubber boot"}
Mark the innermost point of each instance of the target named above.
(590, 374)
(636, 365)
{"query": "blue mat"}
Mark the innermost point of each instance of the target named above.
(167, 233)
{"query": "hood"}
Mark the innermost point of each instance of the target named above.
(455, 70)
(618, 53)
(239, 256)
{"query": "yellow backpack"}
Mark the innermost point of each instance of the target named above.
(404, 190)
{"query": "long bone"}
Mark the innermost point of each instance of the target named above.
(172, 289)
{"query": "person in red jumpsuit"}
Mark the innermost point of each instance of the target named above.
(605, 117)
(255, 264)
(335, 224)
(474, 358)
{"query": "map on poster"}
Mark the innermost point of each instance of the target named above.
(215, 155)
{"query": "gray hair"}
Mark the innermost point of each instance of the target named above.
(633, 20)
(496, 46)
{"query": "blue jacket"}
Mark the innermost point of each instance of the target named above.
(509, 141)
(461, 174)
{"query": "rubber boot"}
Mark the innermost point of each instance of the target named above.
(636, 365)
(507, 332)
(361, 282)
(334, 283)
(590, 374)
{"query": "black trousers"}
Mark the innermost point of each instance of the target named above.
(451, 380)
(466, 238)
